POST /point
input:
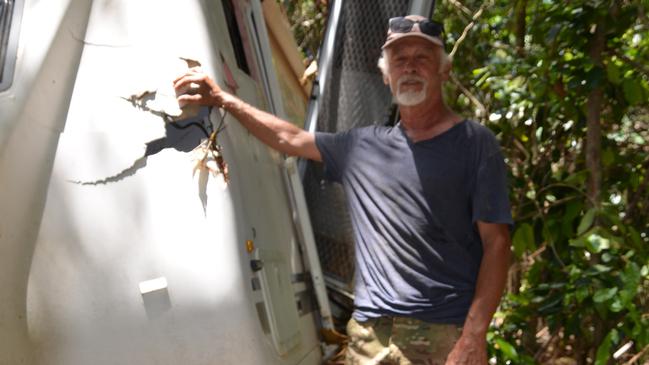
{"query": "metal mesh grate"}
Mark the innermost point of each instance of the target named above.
(6, 13)
(355, 96)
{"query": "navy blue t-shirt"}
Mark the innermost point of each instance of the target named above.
(414, 208)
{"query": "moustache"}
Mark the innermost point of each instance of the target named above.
(410, 78)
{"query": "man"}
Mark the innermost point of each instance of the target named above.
(428, 201)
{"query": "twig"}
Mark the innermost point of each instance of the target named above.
(550, 241)
(531, 257)
(465, 91)
(561, 185)
(541, 351)
(637, 356)
(459, 5)
(468, 27)
(468, 94)
(521, 148)
(549, 206)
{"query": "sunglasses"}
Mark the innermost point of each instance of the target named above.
(404, 25)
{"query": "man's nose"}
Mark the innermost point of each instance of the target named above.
(409, 65)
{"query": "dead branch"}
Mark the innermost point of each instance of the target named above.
(459, 5)
(469, 26)
(637, 356)
(468, 94)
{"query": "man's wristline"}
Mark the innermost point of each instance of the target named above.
(226, 101)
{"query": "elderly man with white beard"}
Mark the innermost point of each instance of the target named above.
(429, 205)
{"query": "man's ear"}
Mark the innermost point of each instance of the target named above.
(386, 80)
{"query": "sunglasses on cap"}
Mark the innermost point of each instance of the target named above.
(404, 25)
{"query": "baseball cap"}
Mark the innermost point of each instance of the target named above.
(414, 26)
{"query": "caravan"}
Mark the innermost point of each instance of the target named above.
(119, 246)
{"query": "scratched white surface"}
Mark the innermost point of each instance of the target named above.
(72, 256)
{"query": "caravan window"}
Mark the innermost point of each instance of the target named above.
(235, 36)
(10, 12)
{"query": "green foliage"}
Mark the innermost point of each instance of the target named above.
(579, 286)
(579, 279)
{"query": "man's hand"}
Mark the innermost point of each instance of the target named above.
(195, 87)
(469, 350)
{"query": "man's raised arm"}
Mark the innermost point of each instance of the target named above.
(271, 130)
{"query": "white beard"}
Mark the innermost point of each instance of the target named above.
(410, 98)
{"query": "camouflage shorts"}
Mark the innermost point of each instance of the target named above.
(399, 341)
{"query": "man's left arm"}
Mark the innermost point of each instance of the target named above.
(471, 348)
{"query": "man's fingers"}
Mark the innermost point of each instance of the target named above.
(195, 87)
(190, 88)
(181, 76)
(189, 78)
(189, 99)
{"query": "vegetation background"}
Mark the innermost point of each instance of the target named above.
(565, 86)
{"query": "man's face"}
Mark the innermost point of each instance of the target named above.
(414, 71)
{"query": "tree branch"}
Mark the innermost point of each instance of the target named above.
(637, 356)
(468, 27)
(521, 12)
(594, 106)
(637, 195)
(459, 5)
(468, 94)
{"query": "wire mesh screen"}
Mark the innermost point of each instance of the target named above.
(355, 96)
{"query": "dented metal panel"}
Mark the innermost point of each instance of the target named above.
(116, 249)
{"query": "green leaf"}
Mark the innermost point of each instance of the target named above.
(616, 306)
(523, 239)
(578, 178)
(577, 242)
(604, 349)
(507, 349)
(635, 236)
(608, 157)
(603, 295)
(631, 276)
(596, 243)
(479, 71)
(632, 89)
(599, 268)
(551, 305)
(613, 73)
(586, 221)
(550, 231)
(581, 294)
(626, 296)
(572, 211)
(530, 194)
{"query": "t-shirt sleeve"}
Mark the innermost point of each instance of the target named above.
(491, 192)
(334, 148)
